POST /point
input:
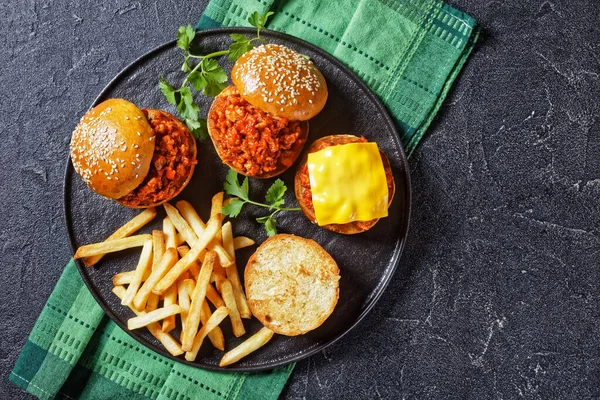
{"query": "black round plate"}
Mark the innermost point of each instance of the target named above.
(367, 261)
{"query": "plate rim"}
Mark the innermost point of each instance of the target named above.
(383, 284)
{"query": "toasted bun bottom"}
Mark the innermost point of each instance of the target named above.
(350, 228)
(292, 284)
(238, 156)
(146, 194)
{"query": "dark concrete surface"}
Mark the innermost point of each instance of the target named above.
(498, 294)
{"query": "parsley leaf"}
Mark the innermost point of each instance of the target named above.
(186, 106)
(198, 128)
(167, 90)
(197, 80)
(240, 45)
(275, 193)
(259, 21)
(233, 207)
(185, 67)
(232, 185)
(185, 35)
(274, 197)
(215, 77)
(270, 224)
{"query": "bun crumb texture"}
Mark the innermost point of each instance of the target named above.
(292, 284)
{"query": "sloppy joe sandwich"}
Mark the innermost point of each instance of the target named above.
(344, 184)
(138, 157)
(259, 125)
(292, 284)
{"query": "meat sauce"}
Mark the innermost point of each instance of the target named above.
(305, 179)
(171, 163)
(252, 141)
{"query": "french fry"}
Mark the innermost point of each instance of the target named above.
(183, 299)
(111, 246)
(132, 226)
(179, 240)
(214, 297)
(170, 233)
(194, 267)
(232, 272)
(240, 242)
(215, 319)
(215, 210)
(193, 317)
(234, 315)
(123, 278)
(152, 303)
(167, 261)
(184, 263)
(166, 339)
(144, 318)
(189, 285)
(190, 234)
(119, 291)
(216, 335)
(170, 298)
(180, 224)
(251, 344)
(158, 247)
(219, 275)
(188, 212)
(144, 265)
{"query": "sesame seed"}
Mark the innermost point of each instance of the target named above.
(139, 134)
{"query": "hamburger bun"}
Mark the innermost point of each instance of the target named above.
(246, 154)
(104, 146)
(115, 148)
(350, 228)
(280, 82)
(292, 284)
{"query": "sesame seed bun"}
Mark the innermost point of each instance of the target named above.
(111, 148)
(280, 82)
(138, 157)
(349, 228)
(292, 284)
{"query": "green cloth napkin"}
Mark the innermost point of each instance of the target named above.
(408, 51)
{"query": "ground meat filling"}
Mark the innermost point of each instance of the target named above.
(173, 158)
(251, 140)
(305, 179)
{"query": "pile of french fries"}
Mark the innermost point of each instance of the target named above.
(180, 270)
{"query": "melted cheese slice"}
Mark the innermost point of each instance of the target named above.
(348, 183)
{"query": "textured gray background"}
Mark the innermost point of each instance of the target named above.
(500, 296)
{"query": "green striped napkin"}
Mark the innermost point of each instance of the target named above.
(408, 51)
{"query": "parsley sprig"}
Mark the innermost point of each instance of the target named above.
(241, 193)
(206, 75)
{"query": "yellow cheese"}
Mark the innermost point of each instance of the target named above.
(348, 183)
